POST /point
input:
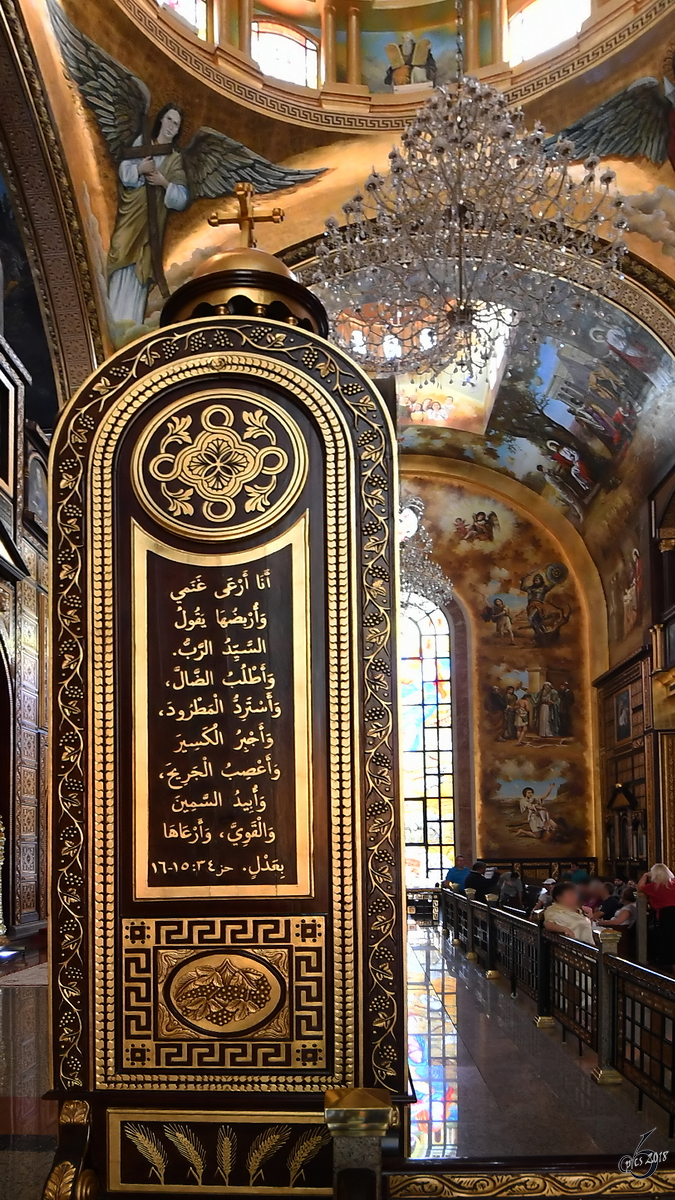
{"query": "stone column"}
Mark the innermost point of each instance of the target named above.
(224, 22)
(604, 1072)
(328, 43)
(499, 30)
(472, 46)
(353, 44)
(245, 20)
(358, 1119)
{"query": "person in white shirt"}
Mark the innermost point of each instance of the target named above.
(566, 916)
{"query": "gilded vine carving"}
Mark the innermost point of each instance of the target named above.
(572, 1184)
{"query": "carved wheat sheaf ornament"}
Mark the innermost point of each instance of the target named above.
(150, 1147)
(226, 1150)
(265, 1145)
(191, 1149)
(304, 1150)
(220, 470)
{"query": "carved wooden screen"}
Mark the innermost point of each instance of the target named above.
(226, 886)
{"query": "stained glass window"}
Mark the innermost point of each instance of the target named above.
(426, 742)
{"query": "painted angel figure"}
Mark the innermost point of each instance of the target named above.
(156, 175)
(640, 120)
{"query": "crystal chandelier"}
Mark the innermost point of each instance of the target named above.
(420, 576)
(465, 238)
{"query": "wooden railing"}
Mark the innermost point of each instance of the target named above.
(621, 1010)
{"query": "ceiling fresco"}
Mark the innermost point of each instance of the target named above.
(566, 413)
(582, 418)
(107, 84)
(585, 421)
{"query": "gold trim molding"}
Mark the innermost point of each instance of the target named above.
(574, 1184)
(246, 86)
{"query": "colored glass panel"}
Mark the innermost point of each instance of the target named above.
(426, 741)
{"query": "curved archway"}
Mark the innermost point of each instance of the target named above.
(528, 595)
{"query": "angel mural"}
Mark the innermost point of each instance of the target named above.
(156, 175)
(638, 121)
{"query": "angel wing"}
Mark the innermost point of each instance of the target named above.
(214, 163)
(634, 122)
(117, 98)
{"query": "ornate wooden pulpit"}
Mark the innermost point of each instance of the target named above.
(226, 918)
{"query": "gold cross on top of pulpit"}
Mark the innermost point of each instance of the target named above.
(247, 217)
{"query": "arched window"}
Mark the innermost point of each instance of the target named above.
(285, 53)
(543, 25)
(426, 741)
(194, 12)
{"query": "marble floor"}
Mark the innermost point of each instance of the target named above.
(488, 1082)
(27, 1123)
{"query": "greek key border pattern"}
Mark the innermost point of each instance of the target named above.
(376, 466)
(300, 939)
(287, 107)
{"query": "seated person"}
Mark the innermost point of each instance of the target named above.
(625, 916)
(565, 916)
(476, 880)
(609, 904)
(545, 898)
(576, 874)
(458, 873)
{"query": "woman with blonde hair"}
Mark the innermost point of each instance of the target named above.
(658, 884)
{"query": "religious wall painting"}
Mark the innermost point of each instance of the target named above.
(410, 60)
(528, 664)
(20, 317)
(622, 715)
(637, 123)
(451, 402)
(625, 592)
(530, 706)
(530, 803)
(525, 610)
(567, 411)
(152, 185)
